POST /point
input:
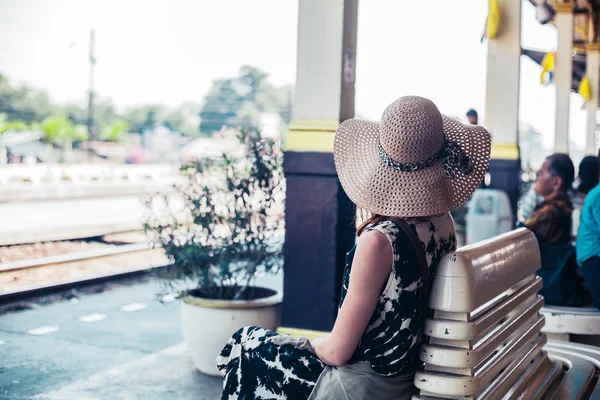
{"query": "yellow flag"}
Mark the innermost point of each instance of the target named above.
(547, 67)
(584, 89)
(493, 20)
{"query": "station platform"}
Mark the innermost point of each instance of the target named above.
(40, 221)
(120, 343)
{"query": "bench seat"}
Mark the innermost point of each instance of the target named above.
(576, 379)
(590, 354)
(561, 322)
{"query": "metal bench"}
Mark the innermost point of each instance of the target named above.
(485, 339)
(568, 323)
(582, 362)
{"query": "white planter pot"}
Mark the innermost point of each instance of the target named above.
(208, 324)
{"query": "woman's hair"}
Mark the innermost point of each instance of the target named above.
(376, 218)
(588, 173)
(561, 165)
(373, 219)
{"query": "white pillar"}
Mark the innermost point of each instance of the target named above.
(324, 93)
(502, 101)
(563, 73)
(503, 76)
(593, 75)
(315, 199)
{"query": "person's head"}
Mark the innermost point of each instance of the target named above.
(588, 173)
(555, 176)
(472, 117)
(414, 163)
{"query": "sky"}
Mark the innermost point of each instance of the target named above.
(159, 51)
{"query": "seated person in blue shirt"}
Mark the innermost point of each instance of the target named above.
(588, 242)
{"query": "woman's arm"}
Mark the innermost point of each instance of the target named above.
(371, 268)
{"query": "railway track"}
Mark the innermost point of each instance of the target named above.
(22, 278)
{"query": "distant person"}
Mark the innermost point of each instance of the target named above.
(551, 219)
(588, 174)
(551, 223)
(473, 117)
(588, 241)
(587, 180)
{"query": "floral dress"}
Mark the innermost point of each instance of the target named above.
(260, 364)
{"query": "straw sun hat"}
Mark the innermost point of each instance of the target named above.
(415, 162)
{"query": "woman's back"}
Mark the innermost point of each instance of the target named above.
(390, 341)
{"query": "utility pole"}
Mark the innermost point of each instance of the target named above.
(91, 130)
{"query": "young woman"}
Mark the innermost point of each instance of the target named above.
(408, 172)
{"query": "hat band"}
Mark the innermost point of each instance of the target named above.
(454, 159)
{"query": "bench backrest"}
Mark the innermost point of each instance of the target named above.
(485, 332)
(476, 274)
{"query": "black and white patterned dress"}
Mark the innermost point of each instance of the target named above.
(260, 364)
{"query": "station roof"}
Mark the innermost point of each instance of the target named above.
(578, 64)
(579, 58)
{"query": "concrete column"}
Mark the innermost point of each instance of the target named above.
(593, 75)
(319, 215)
(502, 100)
(324, 93)
(563, 73)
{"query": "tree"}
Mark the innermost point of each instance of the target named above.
(115, 132)
(6, 125)
(23, 103)
(183, 118)
(139, 118)
(76, 114)
(59, 130)
(105, 114)
(232, 102)
(239, 101)
(221, 106)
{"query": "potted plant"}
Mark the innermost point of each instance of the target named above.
(229, 233)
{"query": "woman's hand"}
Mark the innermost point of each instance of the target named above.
(323, 349)
(317, 342)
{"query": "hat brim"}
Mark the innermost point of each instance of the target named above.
(374, 186)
